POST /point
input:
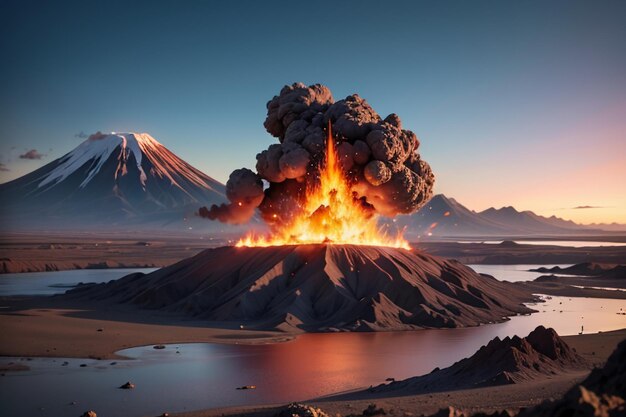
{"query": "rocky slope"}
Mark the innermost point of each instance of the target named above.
(507, 361)
(602, 393)
(318, 288)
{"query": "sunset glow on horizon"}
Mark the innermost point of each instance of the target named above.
(507, 116)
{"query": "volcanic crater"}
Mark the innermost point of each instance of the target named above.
(319, 287)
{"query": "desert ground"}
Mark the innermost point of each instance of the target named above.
(98, 331)
(31, 252)
(49, 327)
(509, 252)
(54, 251)
(74, 327)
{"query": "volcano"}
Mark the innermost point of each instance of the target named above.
(318, 287)
(115, 179)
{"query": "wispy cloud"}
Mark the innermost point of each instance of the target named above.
(32, 154)
(3, 167)
(588, 207)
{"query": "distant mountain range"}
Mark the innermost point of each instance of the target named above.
(129, 181)
(116, 180)
(444, 216)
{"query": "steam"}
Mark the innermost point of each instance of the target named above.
(381, 159)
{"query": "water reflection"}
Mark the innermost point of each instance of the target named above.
(57, 282)
(513, 273)
(206, 375)
(565, 243)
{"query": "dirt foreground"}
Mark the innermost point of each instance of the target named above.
(41, 327)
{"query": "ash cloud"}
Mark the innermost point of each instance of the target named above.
(32, 154)
(380, 158)
(81, 135)
(4, 168)
(244, 190)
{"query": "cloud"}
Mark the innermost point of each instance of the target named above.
(587, 207)
(3, 168)
(81, 135)
(32, 154)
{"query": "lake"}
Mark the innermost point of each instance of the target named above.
(566, 243)
(206, 375)
(57, 282)
(513, 273)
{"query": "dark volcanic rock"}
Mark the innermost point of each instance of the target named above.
(500, 362)
(602, 393)
(320, 287)
(456, 412)
(300, 410)
(605, 271)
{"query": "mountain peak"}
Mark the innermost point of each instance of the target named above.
(140, 137)
(117, 176)
(98, 148)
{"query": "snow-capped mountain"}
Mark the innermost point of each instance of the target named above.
(115, 179)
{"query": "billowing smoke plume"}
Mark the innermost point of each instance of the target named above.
(379, 158)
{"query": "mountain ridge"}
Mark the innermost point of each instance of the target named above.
(444, 216)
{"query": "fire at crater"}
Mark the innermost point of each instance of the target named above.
(319, 191)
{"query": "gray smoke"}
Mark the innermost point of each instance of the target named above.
(379, 157)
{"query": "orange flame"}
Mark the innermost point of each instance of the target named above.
(330, 214)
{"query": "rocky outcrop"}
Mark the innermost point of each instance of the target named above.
(127, 385)
(501, 361)
(589, 269)
(319, 288)
(602, 393)
(300, 410)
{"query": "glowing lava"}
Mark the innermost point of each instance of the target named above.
(330, 214)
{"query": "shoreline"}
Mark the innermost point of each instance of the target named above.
(28, 252)
(43, 327)
(594, 347)
(54, 327)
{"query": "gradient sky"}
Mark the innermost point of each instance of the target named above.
(515, 103)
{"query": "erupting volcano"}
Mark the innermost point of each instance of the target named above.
(331, 213)
(326, 265)
(339, 166)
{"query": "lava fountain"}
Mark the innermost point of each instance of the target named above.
(330, 213)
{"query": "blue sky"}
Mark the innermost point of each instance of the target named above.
(520, 103)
